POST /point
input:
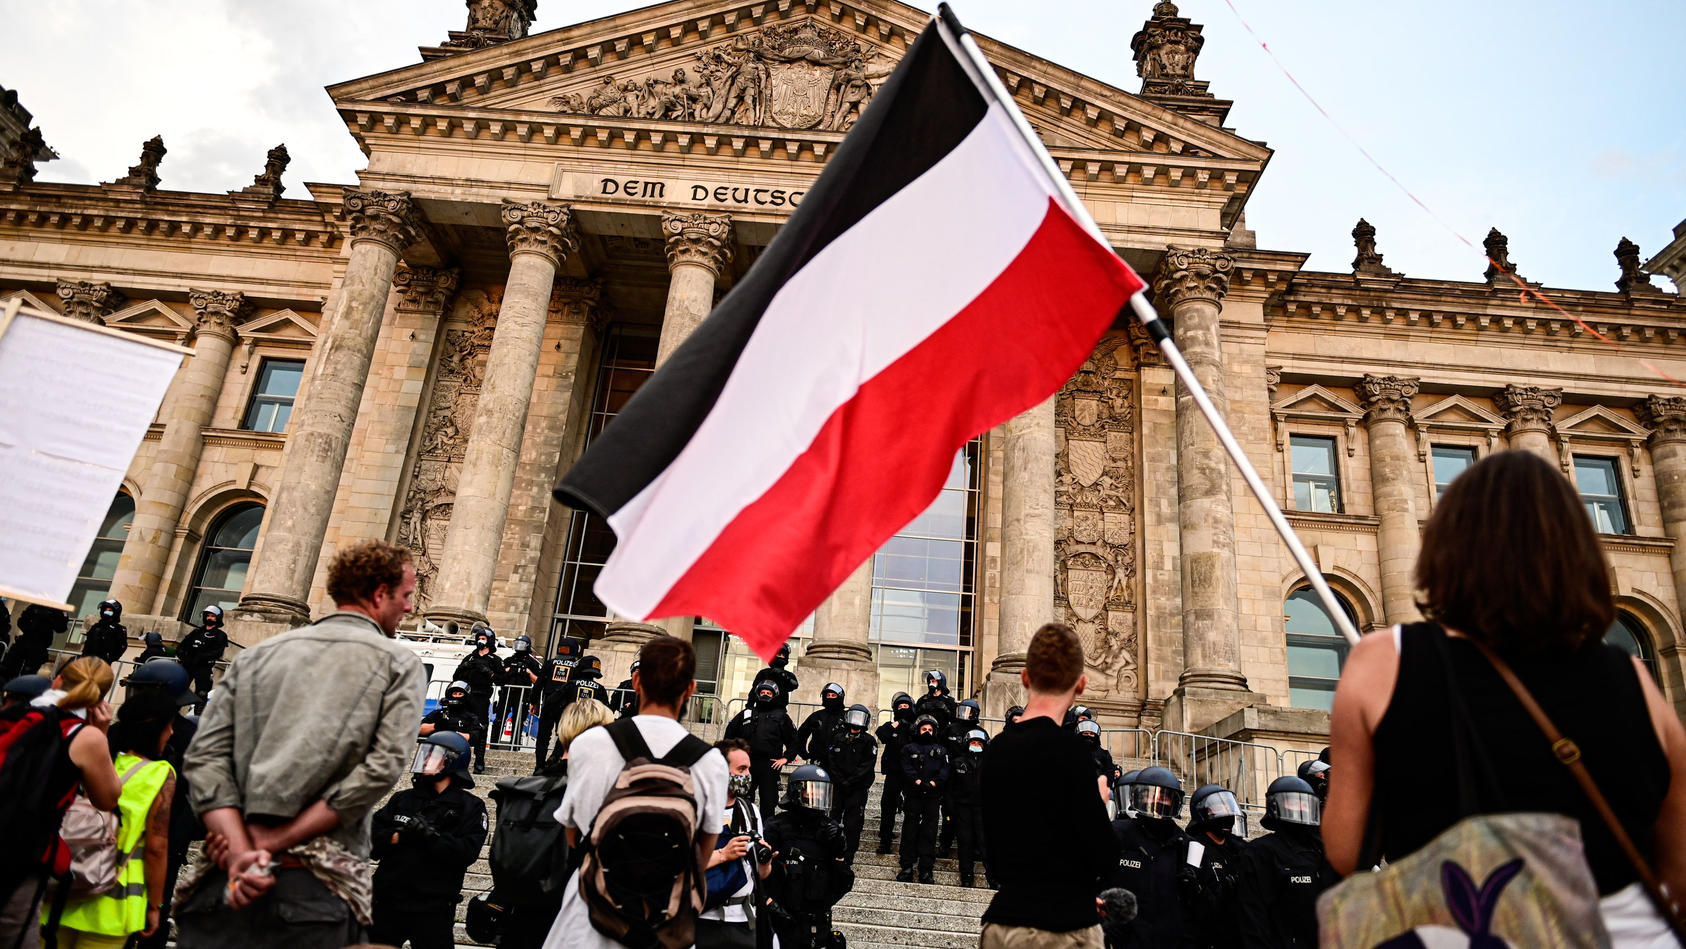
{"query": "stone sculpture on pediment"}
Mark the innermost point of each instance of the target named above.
(1094, 500)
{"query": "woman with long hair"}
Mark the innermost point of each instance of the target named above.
(1509, 560)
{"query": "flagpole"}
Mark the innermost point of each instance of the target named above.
(1155, 327)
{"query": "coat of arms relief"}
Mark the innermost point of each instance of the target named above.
(1095, 502)
(798, 76)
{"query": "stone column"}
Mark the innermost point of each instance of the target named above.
(1027, 548)
(699, 244)
(1529, 411)
(1393, 472)
(1666, 417)
(839, 651)
(382, 224)
(1190, 288)
(540, 237)
(175, 463)
(89, 301)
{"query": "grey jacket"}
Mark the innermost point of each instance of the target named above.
(328, 711)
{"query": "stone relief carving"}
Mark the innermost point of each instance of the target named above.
(1095, 503)
(145, 174)
(804, 75)
(1165, 50)
(494, 21)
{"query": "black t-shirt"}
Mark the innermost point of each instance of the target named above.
(1050, 842)
(1593, 696)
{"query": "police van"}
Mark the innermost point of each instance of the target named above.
(441, 651)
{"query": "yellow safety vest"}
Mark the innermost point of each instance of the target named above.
(121, 910)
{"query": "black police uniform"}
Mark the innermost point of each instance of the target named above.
(151, 651)
(938, 705)
(1151, 856)
(965, 809)
(454, 717)
(520, 676)
(481, 671)
(1209, 892)
(781, 676)
(554, 693)
(198, 653)
(891, 735)
(955, 739)
(809, 876)
(923, 760)
(818, 730)
(108, 638)
(36, 626)
(419, 880)
(771, 736)
(1281, 876)
(850, 759)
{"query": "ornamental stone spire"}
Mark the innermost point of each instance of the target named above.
(491, 22)
(1497, 247)
(1633, 279)
(1165, 50)
(1368, 262)
(267, 184)
(145, 175)
(21, 145)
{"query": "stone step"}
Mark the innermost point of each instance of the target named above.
(914, 898)
(908, 918)
(864, 934)
(941, 875)
(888, 887)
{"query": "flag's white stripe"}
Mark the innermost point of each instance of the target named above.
(873, 294)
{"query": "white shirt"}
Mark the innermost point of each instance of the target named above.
(593, 765)
(751, 817)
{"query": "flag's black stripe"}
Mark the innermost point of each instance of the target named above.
(925, 109)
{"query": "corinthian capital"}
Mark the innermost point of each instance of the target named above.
(578, 301)
(386, 217)
(88, 301)
(698, 238)
(424, 288)
(1665, 416)
(1528, 408)
(1192, 274)
(218, 310)
(535, 227)
(1386, 398)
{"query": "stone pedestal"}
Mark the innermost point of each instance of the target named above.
(1192, 708)
(839, 651)
(540, 237)
(1027, 549)
(1528, 412)
(163, 494)
(1394, 470)
(381, 225)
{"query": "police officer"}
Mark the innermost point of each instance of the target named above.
(1013, 714)
(553, 694)
(1316, 773)
(1283, 873)
(152, 647)
(624, 700)
(965, 719)
(454, 714)
(925, 772)
(778, 672)
(850, 758)
(37, 625)
(426, 838)
(520, 673)
(1090, 732)
(1076, 715)
(201, 648)
(1217, 823)
(1151, 851)
(891, 736)
(821, 726)
(811, 872)
(965, 803)
(107, 638)
(481, 669)
(766, 726)
(936, 702)
(1125, 780)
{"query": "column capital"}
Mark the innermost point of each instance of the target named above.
(386, 217)
(1147, 351)
(425, 288)
(1192, 273)
(578, 301)
(1528, 408)
(218, 311)
(1665, 416)
(87, 300)
(1386, 398)
(698, 237)
(538, 227)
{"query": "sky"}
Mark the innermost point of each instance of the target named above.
(1558, 124)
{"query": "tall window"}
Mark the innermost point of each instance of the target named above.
(629, 357)
(1600, 483)
(221, 573)
(93, 581)
(1449, 462)
(272, 400)
(1630, 636)
(1316, 649)
(1317, 485)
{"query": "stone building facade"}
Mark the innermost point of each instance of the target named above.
(544, 218)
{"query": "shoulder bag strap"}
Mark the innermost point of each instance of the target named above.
(629, 741)
(1569, 755)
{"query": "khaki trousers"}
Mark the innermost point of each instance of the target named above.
(996, 936)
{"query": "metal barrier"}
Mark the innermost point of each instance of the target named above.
(121, 669)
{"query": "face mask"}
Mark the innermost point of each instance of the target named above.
(975, 749)
(106, 613)
(925, 733)
(740, 785)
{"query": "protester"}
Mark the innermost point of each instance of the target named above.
(49, 753)
(1509, 559)
(925, 773)
(37, 625)
(813, 739)
(166, 677)
(1282, 873)
(766, 726)
(135, 904)
(108, 638)
(732, 913)
(202, 648)
(1217, 824)
(1152, 854)
(481, 669)
(308, 731)
(1038, 788)
(851, 758)
(891, 735)
(810, 873)
(426, 837)
(665, 681)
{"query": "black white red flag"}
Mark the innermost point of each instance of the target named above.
(932, 285)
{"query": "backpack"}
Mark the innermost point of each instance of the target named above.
(32, 751)
(90, 835)
(643, 877)
(529, 857)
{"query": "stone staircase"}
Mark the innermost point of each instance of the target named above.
(878, 913)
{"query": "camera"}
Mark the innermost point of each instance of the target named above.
(759, 848)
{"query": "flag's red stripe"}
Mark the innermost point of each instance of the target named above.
(883, 456)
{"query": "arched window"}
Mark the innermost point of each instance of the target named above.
(1316, 648)
(1632, 638)
(93, 581)
(221, 573)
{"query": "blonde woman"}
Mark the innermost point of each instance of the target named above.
(75, 702)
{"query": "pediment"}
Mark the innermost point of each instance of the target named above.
(788, 67)
(29, 300)
(1601, 422)
(282, 326)
(151, 317)
(1314, 401)
(1455, 411)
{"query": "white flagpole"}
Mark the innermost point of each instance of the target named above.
(1156, 329)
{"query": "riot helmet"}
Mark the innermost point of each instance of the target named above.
(1089, 730)
(211, 616)
(111, 610)
(831, 697)
(441, 753)
(589, 667)
(168, 675)
(570, 647)
(485, 638)
(1082, 713)
(153, 640)
(967, 712)
(1124, 782)
(1214, 807)
(902, 706)
(977, 740)
(857, 718)
(523, 644)
(1290, 801)
(936, 682)
(922, 721)
(27, 688)
(1156, 793)
(1316, 773)
(782, 657)
(765, 693)
(1013, 713)
(456, 694)
(809, 787)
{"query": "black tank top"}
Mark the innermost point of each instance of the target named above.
(1593, 696)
